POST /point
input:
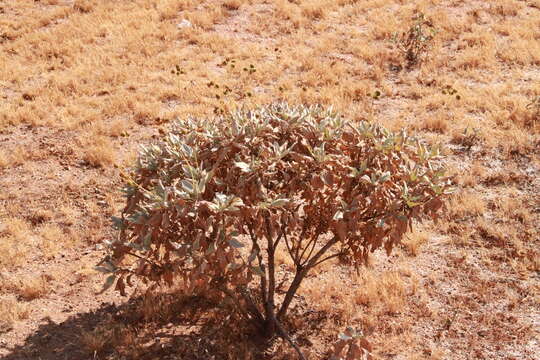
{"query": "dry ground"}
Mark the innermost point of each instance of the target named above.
(83, 83)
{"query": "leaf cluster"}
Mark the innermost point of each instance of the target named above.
(351, 345)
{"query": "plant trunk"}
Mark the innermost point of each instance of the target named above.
(301, 272)
(298, 277)
(270, 327)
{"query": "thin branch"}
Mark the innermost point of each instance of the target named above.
(287, 244)
(261, 263)
(286, 337)
(280, 236)
(313, 243)
(280, 285)
(329, 257)
(270, 311)
(144, 259)
(239, 306)
(321, 252)
(295, 284)
(300, 239)
(301, 272)
(251, 304)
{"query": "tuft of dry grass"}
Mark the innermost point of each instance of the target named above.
(325, 291)
(415, 240)
(83, 6)
(53, 239)
(22, 240)
(29, 287)
(11, 311)
(14, 244)
(466, 204)
(97, 340)
(386, 291)
(100, 152)
(15, 156)
(232, 4)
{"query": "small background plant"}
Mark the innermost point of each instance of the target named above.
(468, 138)
(414, 43)
(225, 93)
(450, 91)
(534, 108)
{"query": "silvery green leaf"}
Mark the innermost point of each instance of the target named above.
(187, 150)
(160, 189)
(234, 266)
(102, 269)
(187, 170)
(252, 256)
(187, 186)
(402, 218)
(118, 223)
(108, 283)
(235, 243)
(202, 185)
(257, 270)
(237, 202)
(338, 215)
(222, 198)
(135, 246)
(279, 202)
(147, 240)
(108, 265)
(385, 176)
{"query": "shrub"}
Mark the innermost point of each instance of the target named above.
(414, 43)
(468, 138)
(210, 205)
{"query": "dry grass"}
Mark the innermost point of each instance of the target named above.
(83, 83)
(386, 291)
(20, 241)
(28, 287)
(53, 239)
(415, 240)
(97, 340)
(466, 204)
(99, 152)
(11, 311)
(12, 158)
(14, 246)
